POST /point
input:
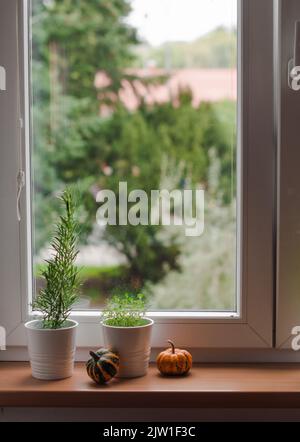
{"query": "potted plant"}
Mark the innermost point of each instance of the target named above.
(127, 332)
(51, 339)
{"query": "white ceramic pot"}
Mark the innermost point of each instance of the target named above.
(133, 347)
(51, 351)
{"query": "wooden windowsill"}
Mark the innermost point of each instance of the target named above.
(207, 386)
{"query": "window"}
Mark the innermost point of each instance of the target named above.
(141, 127)
(149, 106)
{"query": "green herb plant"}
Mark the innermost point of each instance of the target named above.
(125, 311)
(61, 274)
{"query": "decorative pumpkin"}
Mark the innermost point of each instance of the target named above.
(103, 365)
(174, 361)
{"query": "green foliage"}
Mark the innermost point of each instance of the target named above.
(83, 37)
(71, 41)
(72, 143)
(61, 274)
(217, 49)
(87, 272)
(125, 311)
(134, 146)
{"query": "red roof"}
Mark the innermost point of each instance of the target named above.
(205, 85)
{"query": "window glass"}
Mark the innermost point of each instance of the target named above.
(139, 98)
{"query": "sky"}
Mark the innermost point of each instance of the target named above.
(159, 21)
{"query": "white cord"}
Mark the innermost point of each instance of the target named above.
(20, 185)
(21, 173)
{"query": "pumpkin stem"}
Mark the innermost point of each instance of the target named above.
(94, 356)
(172, 345)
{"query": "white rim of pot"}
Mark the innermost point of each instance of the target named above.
(150, 322)
(29, 325)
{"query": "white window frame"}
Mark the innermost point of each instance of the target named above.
(252, 326)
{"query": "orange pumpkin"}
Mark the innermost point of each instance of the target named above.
(174, 361)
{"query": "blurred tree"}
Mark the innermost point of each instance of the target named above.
(131, 147)
(70, 45)
(73, 144)
(71, 41)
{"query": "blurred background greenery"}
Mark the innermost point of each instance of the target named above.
(108, 107)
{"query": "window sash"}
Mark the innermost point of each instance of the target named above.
(288, 190)
(252, 326)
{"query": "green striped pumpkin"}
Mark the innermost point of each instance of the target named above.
(102, 366)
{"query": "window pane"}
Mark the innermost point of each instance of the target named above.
(140, 98)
